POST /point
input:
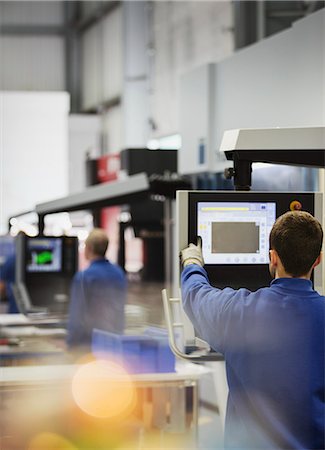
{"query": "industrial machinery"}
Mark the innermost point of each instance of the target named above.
(45, 266)
(235, 225)
(292, 146)
(235, 228)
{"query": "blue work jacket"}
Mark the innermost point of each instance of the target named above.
(98, 297)
(8, 276)
(273, 344)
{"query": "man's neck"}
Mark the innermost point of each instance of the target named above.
(95, 258)
(284, 274)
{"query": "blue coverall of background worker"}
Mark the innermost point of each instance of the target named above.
(98, 295)
(8, 276)
(272, 341)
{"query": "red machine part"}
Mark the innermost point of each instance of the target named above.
(108, 167)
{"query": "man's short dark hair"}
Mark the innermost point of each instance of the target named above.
(297, 238)
(97, 241)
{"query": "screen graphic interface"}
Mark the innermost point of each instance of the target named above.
(44, 255)
(235, 232)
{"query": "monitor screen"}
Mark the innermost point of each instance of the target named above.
(44, 255)
(235, 232)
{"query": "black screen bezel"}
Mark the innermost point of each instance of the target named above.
(251, 276)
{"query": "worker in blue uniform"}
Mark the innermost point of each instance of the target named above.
(98, 295)
(272, 341)
(7, 279)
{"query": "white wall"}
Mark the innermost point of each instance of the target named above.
(84, 137)
(102, 70)
(33, 150)
(185, 35)
(112, 56)
(279, 81)
(32, 62)
(112, 128)
(91, 79)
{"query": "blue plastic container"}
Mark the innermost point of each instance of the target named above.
(148, 353)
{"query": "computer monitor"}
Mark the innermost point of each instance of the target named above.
(222, 226)
(235, 227)
(45, 266)
(44, 255)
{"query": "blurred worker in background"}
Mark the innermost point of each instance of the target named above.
(97, 295)
(272, 341)
(7, 279)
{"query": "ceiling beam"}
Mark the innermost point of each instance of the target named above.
(32, 30)
(84, 23)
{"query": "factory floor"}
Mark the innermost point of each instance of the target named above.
(147, 297)
(210, 432)
(145, 308)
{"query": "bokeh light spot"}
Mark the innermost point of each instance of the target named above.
(104, 389)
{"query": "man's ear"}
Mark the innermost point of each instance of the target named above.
(87, 251)
(318, 260)
(273, 258)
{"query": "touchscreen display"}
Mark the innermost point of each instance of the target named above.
(235, 232)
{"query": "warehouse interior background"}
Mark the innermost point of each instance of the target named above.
(82, 81)
(121, 64)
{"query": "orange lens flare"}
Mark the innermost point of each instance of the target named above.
(104, 389)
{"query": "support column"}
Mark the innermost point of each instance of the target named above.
(136, 74)
(72, 54)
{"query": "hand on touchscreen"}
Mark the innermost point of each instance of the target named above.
(192, 254)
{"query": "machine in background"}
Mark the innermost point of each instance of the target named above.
(235, 225)
(45, 266)
(146, 215)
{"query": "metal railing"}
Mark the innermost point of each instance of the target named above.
(201, 351)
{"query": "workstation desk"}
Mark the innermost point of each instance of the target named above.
(39, 367)
(16, 320)
(167, 403)
(30, 341)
